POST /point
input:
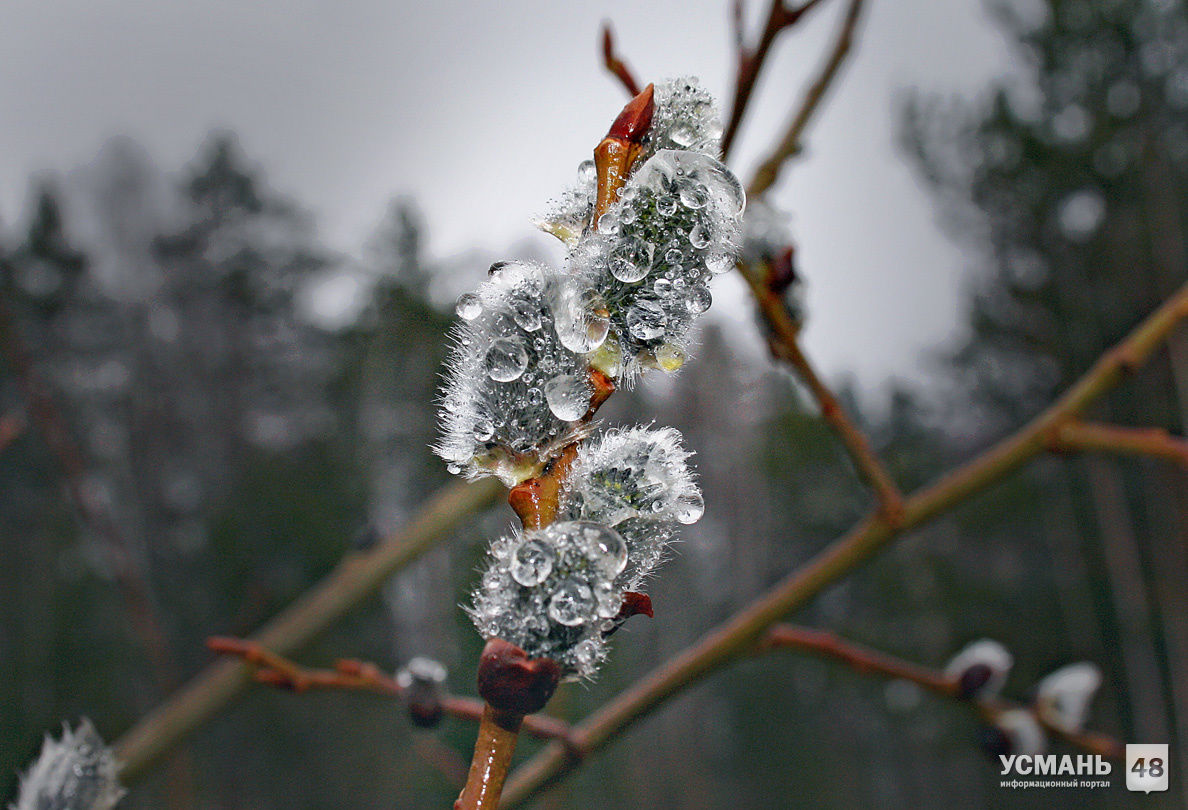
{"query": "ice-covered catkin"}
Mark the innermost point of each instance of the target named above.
(553, 592)
(637, 481)
(517, 379)
(77, 772)
(675, 225)
(685, 118)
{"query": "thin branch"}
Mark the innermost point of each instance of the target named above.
(739, 634)
(1076, 436)
(612, 62)
(769, 170)
(868, 661)
(12, 425)
(751, 61)
(784, 343)
(358, 576)
(349, 675)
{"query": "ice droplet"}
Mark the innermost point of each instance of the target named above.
(603, 547)
(646, 320)
(587, 172)
(506, 360)
(580, 321)
(694, 196)
(683, 135)
(698, 237)
(719, 263)
(699, 299)
(631, 260)
(468, 307)
(690, 506)
(608, 223)
(674, 255)
(483, 430)
(526, 312)
(568, 396)
(531, 563)
(571, 603)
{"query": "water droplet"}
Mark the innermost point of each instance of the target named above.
(468, 307)
(587, 172)
(694, 196)
(674, 255)
(699, 299)
(532, 562)
(453, 468)
(568, 396)
(603, 546)
(580, 320)
(526, 312)
(628, 215)
(483, 430)
(663, 287)
(609, 600)
(608, 223)
(670, 357)
(690, 506)
(630, 260)
(535, 396)
(666, 205)
(646, 320)
(719, 263)
(698, 237)
(571, 603)
(497, 267)
(506, 360)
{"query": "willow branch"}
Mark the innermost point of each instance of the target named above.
(867, 661)
(739, 634)
(769, 169)
(612, 62)
(358, 576)
(751, 60)
(349, 675)
(1076, 436)
(784, 343)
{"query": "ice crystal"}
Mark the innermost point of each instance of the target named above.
(510, 349)
(981, 668)
(638, 482)
(553, 592)
(1063, 697)
(77, 772)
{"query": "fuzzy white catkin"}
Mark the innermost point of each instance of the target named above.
(988, 653)
(555, 593)
(76, 772)
(517, 381)
(1063, 697)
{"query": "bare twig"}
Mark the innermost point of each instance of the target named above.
(349, 675)
(769, 169)
(12, 425)
(783, 341)
(739, 634)
(751, 60)
(1077, 436)
(355, 578)
(616, 65)
(868, 661)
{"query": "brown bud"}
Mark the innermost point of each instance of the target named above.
(512, 682)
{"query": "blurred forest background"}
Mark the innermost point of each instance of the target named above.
(170, 404)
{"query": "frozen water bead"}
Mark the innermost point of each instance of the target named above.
(550, 590)
(637, 481)
(511, 349)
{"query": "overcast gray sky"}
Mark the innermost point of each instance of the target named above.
(482, 110)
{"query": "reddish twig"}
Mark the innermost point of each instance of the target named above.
(784, 343)
(751, 60)
(1077, 436)
(790, 145)
(868, 661)
(616, 65)
(350, 675)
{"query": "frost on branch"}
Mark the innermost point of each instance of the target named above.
(556, 592)
(77, 772)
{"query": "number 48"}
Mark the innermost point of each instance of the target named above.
(1143, 767)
